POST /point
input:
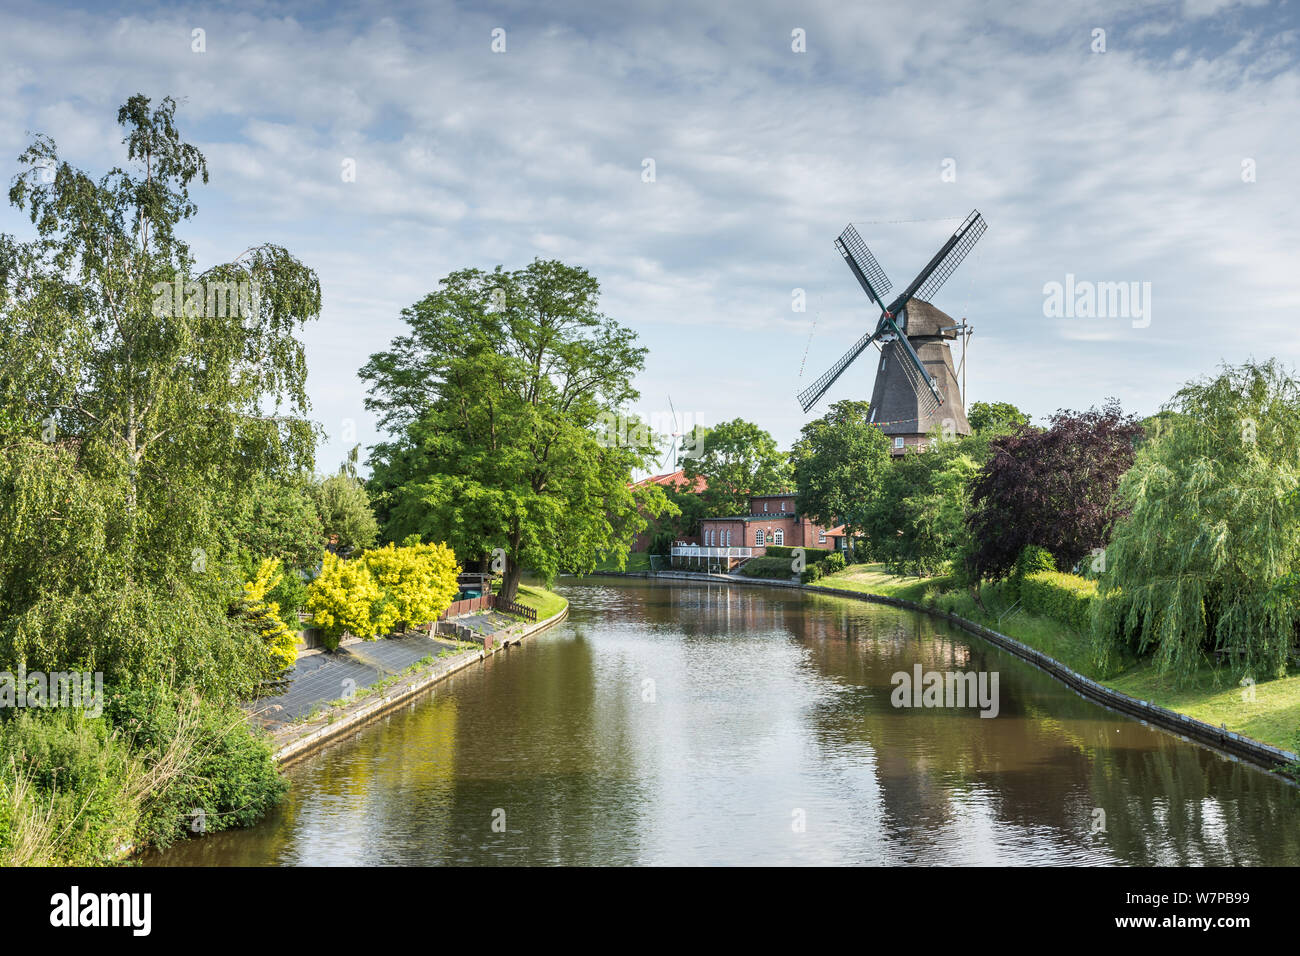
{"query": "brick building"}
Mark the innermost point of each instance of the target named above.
(676, 481)
(772, 520)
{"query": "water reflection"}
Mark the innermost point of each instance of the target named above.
(706, 724)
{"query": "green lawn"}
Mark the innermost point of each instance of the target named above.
(545, 603)
(1212, 695)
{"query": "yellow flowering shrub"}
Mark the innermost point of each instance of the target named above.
(417, 583)
(282, 641)
(342, 598)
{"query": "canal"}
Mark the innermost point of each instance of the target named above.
(703, 724)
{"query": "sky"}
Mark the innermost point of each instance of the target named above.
(1147, 143)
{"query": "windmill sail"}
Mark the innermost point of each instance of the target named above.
(968, 235)
(865, 268)
(945, 261)
(809, 396)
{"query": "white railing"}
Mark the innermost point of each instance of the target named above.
(697, 551)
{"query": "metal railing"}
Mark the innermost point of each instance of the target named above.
(699, 551)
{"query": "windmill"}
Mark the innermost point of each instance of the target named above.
(916, 385)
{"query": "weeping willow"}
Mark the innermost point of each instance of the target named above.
(1208, 558)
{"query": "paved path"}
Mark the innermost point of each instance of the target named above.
(320, 678)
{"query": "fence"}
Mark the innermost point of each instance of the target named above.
(468, 606)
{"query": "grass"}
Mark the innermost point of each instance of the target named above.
(545, 603)
(1270, 714)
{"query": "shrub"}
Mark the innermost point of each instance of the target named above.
(768, 567)
(1065, 598)
(810, 555)
(417, 583)
(264, 614)
(202, 757)
(64, 795)
(342, 599)
(811, 574)
(833, 562)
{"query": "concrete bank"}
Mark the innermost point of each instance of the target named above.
(299, 740)
(1219, 739)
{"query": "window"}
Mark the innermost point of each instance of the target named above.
(821, 536)
(898, 443)
(728, 537)
(758, 537)
(764, 505)
(779, 536)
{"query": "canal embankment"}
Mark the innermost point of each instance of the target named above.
(338, 703)
(1230, 743)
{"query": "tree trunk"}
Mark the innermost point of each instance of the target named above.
(510, 580)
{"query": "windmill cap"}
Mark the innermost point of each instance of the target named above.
(923, 320)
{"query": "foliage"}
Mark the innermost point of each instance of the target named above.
(1032, 558)
(342, 598)
(811, 574)
(995, 416)
(917, 523)
(157, 414)
(833, 563)
(199, 757)
(277, 518)
(839, 464)
(1207, 558)
(810, 555)
(679, 519)
(1065, 598)
(738, 460)
(64, 780)
(1053, 488)
(503, 401)
(777, 568)
(343, 508)
(264, 614)
(417, 582)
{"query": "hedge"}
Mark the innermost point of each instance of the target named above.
(1065, 598)
(768, 567)
(810, 555)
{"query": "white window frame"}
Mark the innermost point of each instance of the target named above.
(765, 505)
(758, 538)
(821, 536)
(778, 537)
(898, 442)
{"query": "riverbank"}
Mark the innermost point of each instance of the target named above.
(1256, 723)
(336, 716)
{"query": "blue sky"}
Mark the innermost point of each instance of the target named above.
(1117, 166)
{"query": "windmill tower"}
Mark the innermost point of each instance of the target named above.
(916, 386)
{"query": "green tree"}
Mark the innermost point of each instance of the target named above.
(1208, 558)
(343, 507)
(137, 386)
(839, 464)
(917, 522)
(987, 416)
(503, 402)
(738, 459)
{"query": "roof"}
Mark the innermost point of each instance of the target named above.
(768, 516)
(676, 480)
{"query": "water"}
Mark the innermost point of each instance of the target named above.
(701, 724)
